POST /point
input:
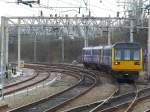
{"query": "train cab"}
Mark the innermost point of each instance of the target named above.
(127, 59)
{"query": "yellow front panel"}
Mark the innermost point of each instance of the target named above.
(126, 65)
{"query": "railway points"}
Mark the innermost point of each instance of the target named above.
(73, 89)
(77, 68)
(124, 87)
(75, 59)
(36, 89)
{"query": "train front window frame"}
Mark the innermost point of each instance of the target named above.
(117, 54)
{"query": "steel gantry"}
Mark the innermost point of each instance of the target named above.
(83, 27)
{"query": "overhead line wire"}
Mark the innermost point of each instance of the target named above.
(102, 8)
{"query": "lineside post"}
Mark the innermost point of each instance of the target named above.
(3, 53)
(131, 30)
(148, 45)
(109, 36)
(19, 40)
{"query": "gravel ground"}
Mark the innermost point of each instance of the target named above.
(142, 106)
(27, 74)
(120, 110)
(145, 104)
(100, 92)
(27, 97)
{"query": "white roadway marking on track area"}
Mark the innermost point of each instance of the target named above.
(25, 90)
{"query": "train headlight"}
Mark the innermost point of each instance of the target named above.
(117, 63)
(137, 63)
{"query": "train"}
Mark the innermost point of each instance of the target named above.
(123, 60)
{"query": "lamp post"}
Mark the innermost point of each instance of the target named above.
(2, 53)
(148, 45)
(35, 48)
(62, 49)
(19, 43)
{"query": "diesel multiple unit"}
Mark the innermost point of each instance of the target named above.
(122, 60)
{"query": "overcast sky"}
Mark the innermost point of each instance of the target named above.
(97, 7)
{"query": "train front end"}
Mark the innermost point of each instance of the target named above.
(126, 60)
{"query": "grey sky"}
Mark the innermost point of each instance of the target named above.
(104, 8)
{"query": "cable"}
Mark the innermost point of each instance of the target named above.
(106, 4)
(5, 1)
(67, 3)
(111, 3)
(103, 8)
(85, 2)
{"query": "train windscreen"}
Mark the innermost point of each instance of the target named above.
(127, 54)
(136, 54)
(117, 54)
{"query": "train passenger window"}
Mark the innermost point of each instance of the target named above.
(117, 54)
(94, 52)
(89, 52)
(126, 54)
(136, 55)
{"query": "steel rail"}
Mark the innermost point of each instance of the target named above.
(22, 81)
(96, 106)
(21, 86)
(148, 110)
(92, 106)
(67, 101)
(125, 100)
(21, 109)
(61, 66)
(55, 97)
(130, 107)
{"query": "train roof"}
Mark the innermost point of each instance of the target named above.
(90, 48)
(87, 48)
(116, 45)
(108, 47)
(98, 47)
(127, 45)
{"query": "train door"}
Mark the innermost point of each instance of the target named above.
(99, 56)
(102, 54)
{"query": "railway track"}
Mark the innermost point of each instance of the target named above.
(53, 103)
(104, 104)
(112, 102)
(26, 83)
(148, 110)
(128, 100)
(69, 67)
(22, 81)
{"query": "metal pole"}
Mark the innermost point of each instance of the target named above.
(131, 30)
(148, 45)
(109, 36)
(86, 37)
(2, 52)
(62, 48)
(2, 44)
(19, 40)
(7, 39)
(101, 32)
(35, 47)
